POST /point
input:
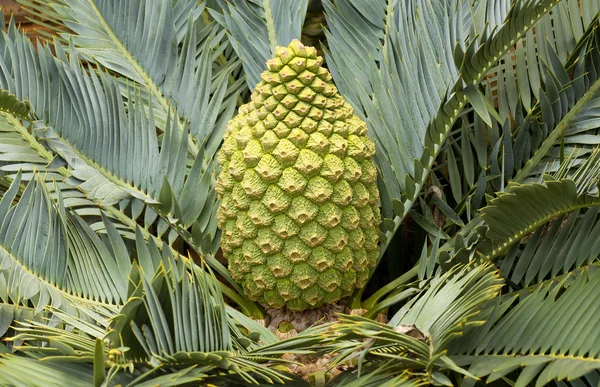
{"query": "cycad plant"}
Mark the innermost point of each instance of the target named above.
(475, 129)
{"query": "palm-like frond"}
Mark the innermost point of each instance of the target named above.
(65, 266)
(183, 69)
(404, 177)
(565, 112)
(517, 77)
(375, 50)
(417, 336)
(551, 126)
(562, 247)
(17, 371)
(149, 54)
(173, 311)
(379, 378)
(528, 138)
(174, 318)
(547, 334)
(101, 145)
(512, 215)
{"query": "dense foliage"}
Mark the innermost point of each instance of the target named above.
(485, 116)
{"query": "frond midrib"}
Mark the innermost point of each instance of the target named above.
(552, 356)
(546, 146)
(518, 235)
(154, 88)
(65, 293)
(109, 209)
(458, 101)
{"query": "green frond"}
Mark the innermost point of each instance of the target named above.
(411, 131)
(9, 314)
(184, 377)
(180, 70)
(149, 54)
(175, 316)
(545, 335)
(474, 63)
(101, 146)
(563, 246)
(414, 343)
(517, 77)
(89, 195)
(378, 378)
(16, 371)
(393, 62)
(566, 110)
(451, 302)
(65, 265)
(548, 135)
(511, 216)
(524, 142)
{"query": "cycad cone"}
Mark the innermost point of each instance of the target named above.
(299, 200)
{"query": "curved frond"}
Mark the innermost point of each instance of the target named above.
(193, 312)
(377, 378)
(563, 246)
(547, 334)
(512, 215)
(527, 137)
(551, 134)
(64, 265)
(103, 141)
(149, 54)
(176, 316)
(414, 342)
(58, 373)
(566, 113)
(451, 302)
(181, 71)
(393, 62)
(516, 79)
(14, 369)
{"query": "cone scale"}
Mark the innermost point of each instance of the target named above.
(299, 209)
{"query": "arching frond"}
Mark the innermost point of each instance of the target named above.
(183, 68)
(552, 126)
(517, 77)
(101, 146)
(174, 318)
(149, 54)
(414, 341)
(545, 334)
(563, 246)
(65, 265)
(393, 62)
(524, 142)
(511, 215)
